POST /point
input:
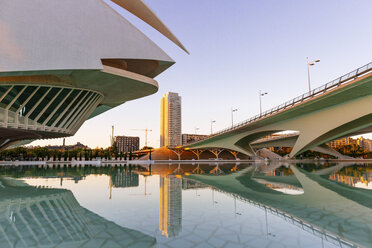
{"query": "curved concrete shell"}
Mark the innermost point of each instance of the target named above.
(63, 61)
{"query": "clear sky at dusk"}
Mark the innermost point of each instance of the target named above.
(237, 48)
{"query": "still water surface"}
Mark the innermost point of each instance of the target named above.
(187, 205)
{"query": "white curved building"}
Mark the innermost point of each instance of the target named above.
(64, 61)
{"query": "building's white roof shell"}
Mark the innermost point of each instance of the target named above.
(42, 35)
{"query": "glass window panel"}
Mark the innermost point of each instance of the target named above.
(36, 97)
(23, 97)
(11, 95)
(82, 95)
(44, 102)
(3, 89)
(83, 103)
(64, 105)
(53, 105)
(84, 107)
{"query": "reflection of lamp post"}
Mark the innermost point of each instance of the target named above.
(235, 205)
(261, 95)
(267, 226)
(212, 125)
(232, 116)
(310, 63)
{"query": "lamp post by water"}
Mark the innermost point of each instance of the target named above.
(261, 95)
(232, 116)
(212, 121)
(310, 63)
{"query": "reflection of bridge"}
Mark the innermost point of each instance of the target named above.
(325, 204)
(308, 227)
(336, 109)
(37, 217)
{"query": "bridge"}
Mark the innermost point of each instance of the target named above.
(337, 203)
(334, 110)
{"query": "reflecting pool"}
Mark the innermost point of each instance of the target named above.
(187, 205)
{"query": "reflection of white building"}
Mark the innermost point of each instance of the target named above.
(170, 206)
(39, 217)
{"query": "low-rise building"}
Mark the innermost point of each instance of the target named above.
(342, 142)
(127, 143)
(189, 138)
(67, 147)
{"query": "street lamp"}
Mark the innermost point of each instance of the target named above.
(261, 95)
(310, 63)
(212, 121)
(196, 129)
(232, 116)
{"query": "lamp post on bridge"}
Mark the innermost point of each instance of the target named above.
(310, 63)
(212, 121)
(261, 95)
(232, 116)
(196, 129)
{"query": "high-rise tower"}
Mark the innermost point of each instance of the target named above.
(170, 120)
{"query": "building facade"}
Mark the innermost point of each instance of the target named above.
(127, 143)
(189, 138)
(365, 143)
(170, 120)
(341, 142)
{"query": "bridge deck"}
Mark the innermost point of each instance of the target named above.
(311, 97)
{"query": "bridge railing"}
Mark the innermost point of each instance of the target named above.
(300, 99)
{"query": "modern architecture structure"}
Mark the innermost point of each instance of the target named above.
(170, 120)
(335, 110)
(127, 143)
(189, 138)
(63, 62)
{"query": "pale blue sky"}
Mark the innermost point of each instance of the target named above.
(238, 48)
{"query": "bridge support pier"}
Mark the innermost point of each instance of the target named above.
(197, 152)
(216, 151)
(234, 153)
(177, 151)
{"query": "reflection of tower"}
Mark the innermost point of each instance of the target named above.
(170, 206)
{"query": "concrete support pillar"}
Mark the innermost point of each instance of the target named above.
(216, 151)
(234, 153)
(197, 152)
(177, 151)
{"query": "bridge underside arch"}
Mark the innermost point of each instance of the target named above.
(341, 131)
